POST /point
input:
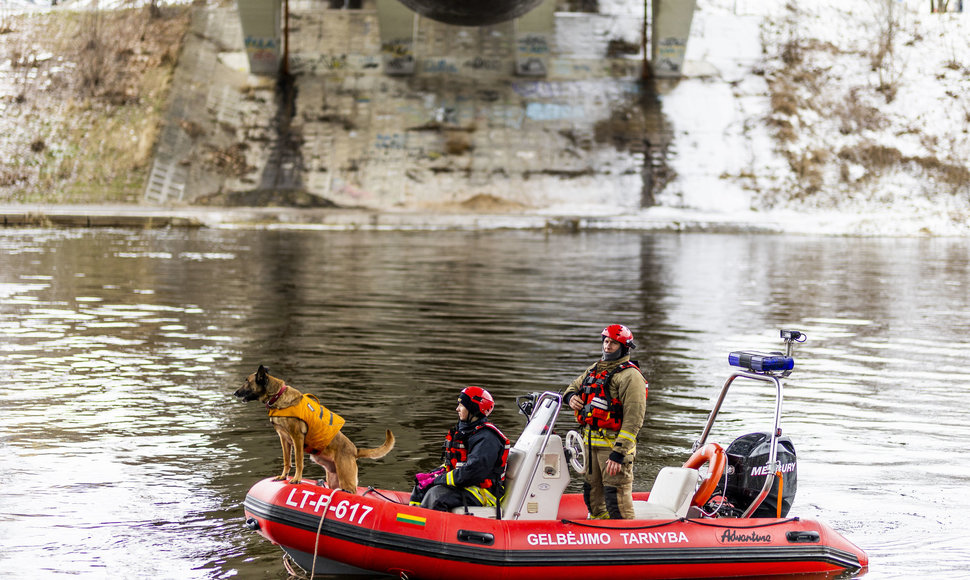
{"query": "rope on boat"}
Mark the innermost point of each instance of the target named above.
(724, 499)
(289, 564)
(316, 538)
(294, 569)
(660, 525)
(370, 489)
(679, 520)
(753, 526)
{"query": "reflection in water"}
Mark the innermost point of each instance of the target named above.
(123, 452)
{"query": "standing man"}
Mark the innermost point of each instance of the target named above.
(610, 400)
(475, 457)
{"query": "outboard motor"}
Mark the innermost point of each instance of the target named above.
(748, 469)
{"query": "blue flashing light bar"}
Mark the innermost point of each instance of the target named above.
(761, 362)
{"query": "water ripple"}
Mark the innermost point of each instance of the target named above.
(121, 350)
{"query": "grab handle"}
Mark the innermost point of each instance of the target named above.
(472, 537)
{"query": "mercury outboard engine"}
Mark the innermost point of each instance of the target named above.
(748, 469)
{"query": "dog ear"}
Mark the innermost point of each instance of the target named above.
(262, 375)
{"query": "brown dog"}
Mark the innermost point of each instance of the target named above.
(303, 424)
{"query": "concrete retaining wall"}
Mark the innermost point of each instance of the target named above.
(463, 128)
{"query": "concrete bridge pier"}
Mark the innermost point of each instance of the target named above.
(670, 28)
(262, 34)
(533, 31)
(399, 27)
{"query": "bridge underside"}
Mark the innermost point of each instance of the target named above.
(542, 112)
(266, 26)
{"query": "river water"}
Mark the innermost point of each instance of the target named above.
(123, 453)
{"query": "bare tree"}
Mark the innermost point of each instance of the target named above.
(883, 56)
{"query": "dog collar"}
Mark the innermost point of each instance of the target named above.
(276, 397)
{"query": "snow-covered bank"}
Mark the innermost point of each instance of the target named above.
(862, 145)
(794, 117)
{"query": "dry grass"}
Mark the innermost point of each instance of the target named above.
(812, 108)
(856, 116)
(89, 94)
(229, 161)
(878, 159)
(872, 156)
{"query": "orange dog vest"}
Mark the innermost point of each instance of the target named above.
(322, 423)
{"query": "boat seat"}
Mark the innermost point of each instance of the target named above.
(670, 496)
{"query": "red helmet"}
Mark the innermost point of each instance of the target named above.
(477, 400)
(620, 334)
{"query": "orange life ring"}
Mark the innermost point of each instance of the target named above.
(714, 454)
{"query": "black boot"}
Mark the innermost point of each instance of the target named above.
(416, 496)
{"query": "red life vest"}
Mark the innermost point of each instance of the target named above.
(600, 409)
(456, 453)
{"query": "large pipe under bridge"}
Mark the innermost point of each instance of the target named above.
(266, 31)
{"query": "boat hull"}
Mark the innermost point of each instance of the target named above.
(376, 532)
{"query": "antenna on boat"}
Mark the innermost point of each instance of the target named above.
(769, 363)
(791, 337)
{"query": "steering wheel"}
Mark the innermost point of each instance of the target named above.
(576, 451)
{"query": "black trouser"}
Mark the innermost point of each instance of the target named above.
(444, 498)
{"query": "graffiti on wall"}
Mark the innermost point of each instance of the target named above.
(398, 56)
(532, 50)
(263, 53)
(670, 54)
(532, 45)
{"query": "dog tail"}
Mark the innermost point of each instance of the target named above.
(378, 452)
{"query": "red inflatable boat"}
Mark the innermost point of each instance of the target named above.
(540, 532)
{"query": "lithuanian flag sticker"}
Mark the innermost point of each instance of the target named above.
(409, 519)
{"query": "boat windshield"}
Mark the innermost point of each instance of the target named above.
(540, 423)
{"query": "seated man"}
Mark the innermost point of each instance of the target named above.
(475, 457)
